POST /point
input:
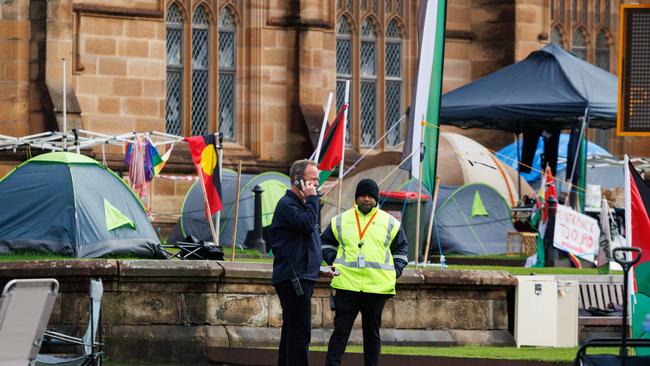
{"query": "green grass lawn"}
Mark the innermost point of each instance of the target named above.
(508, 353)
(252, 255)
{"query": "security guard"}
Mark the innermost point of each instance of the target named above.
(369, 250)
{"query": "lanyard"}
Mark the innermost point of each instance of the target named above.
(361, 232)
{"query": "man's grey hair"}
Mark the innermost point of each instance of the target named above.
(299, 166)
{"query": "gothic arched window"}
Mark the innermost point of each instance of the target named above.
(368, 96)
(200, 71)
(343, 67)
(227, 74)
(174, 120)
(579, 47)
(556, 37)
(602, 51)
(393, 82)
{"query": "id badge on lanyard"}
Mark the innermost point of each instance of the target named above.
(361, 261)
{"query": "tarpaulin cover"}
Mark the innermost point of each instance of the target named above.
(551, 86)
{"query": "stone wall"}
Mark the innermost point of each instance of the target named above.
(177, 310)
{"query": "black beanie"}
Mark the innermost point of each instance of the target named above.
(369, 187)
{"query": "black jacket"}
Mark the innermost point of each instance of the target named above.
(398, 246)
(294, 238)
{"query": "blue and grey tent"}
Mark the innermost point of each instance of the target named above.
(470, 219)
(70, 204)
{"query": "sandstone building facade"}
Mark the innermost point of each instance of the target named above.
(260, 71)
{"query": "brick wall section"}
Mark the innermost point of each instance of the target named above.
(122, 86)
(14, 67)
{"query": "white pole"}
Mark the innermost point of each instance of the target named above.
(419, 203)
(65, 109)
(345, 122)
(220, 163)
(322, 127)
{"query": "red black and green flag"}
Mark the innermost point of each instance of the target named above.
(204, 156)
(637, 234)
(331, 151)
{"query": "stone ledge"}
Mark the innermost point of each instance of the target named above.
(246, 270)
(170, 268)
(469, 278)
(59, 268)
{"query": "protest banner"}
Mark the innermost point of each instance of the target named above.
(576, 233)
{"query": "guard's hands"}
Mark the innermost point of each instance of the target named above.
(308, 188)
(328, 272)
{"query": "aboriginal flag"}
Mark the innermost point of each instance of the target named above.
(204, 156)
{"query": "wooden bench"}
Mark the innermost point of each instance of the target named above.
(598, 292)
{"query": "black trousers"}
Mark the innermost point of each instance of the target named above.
(296, 323)
(348, 306)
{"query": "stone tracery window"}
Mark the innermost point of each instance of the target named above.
(200, 71)
(579, 46)
(370, 45)
(227, 74)
(174, 120)
(368, 106)
(602, 51)
(344, 67)
(192, 53)
(589, 39)
(393, 68)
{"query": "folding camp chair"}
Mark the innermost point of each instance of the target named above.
(91, 349)
(192, 248)
(25, 308)
(623, 358)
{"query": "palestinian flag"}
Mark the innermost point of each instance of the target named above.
(637, 234)
(204, 156)
(331, 151)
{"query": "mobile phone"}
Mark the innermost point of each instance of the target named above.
(299, 182)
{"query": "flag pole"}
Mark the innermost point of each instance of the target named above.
(206, 202)
(234, 226)
(417, 218)
(65, 109)
(345, 122)
(433, 212)
(219, 137)
(322, 128)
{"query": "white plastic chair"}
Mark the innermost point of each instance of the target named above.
(25, 308)
(91, 348)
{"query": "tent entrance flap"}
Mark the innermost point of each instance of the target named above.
(115, 218)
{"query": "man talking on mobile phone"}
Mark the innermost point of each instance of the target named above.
(369, 249)
(296, 248)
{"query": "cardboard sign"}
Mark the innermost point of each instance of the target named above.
(576, 233)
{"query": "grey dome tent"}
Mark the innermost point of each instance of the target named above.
(193, 222)
(471, 219)
(70, 204)
(462, 226)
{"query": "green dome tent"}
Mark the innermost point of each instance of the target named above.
(192, 221)
(70, 204)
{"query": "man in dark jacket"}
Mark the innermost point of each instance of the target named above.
(296, 246)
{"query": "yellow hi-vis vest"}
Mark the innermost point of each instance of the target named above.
(368, 267)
